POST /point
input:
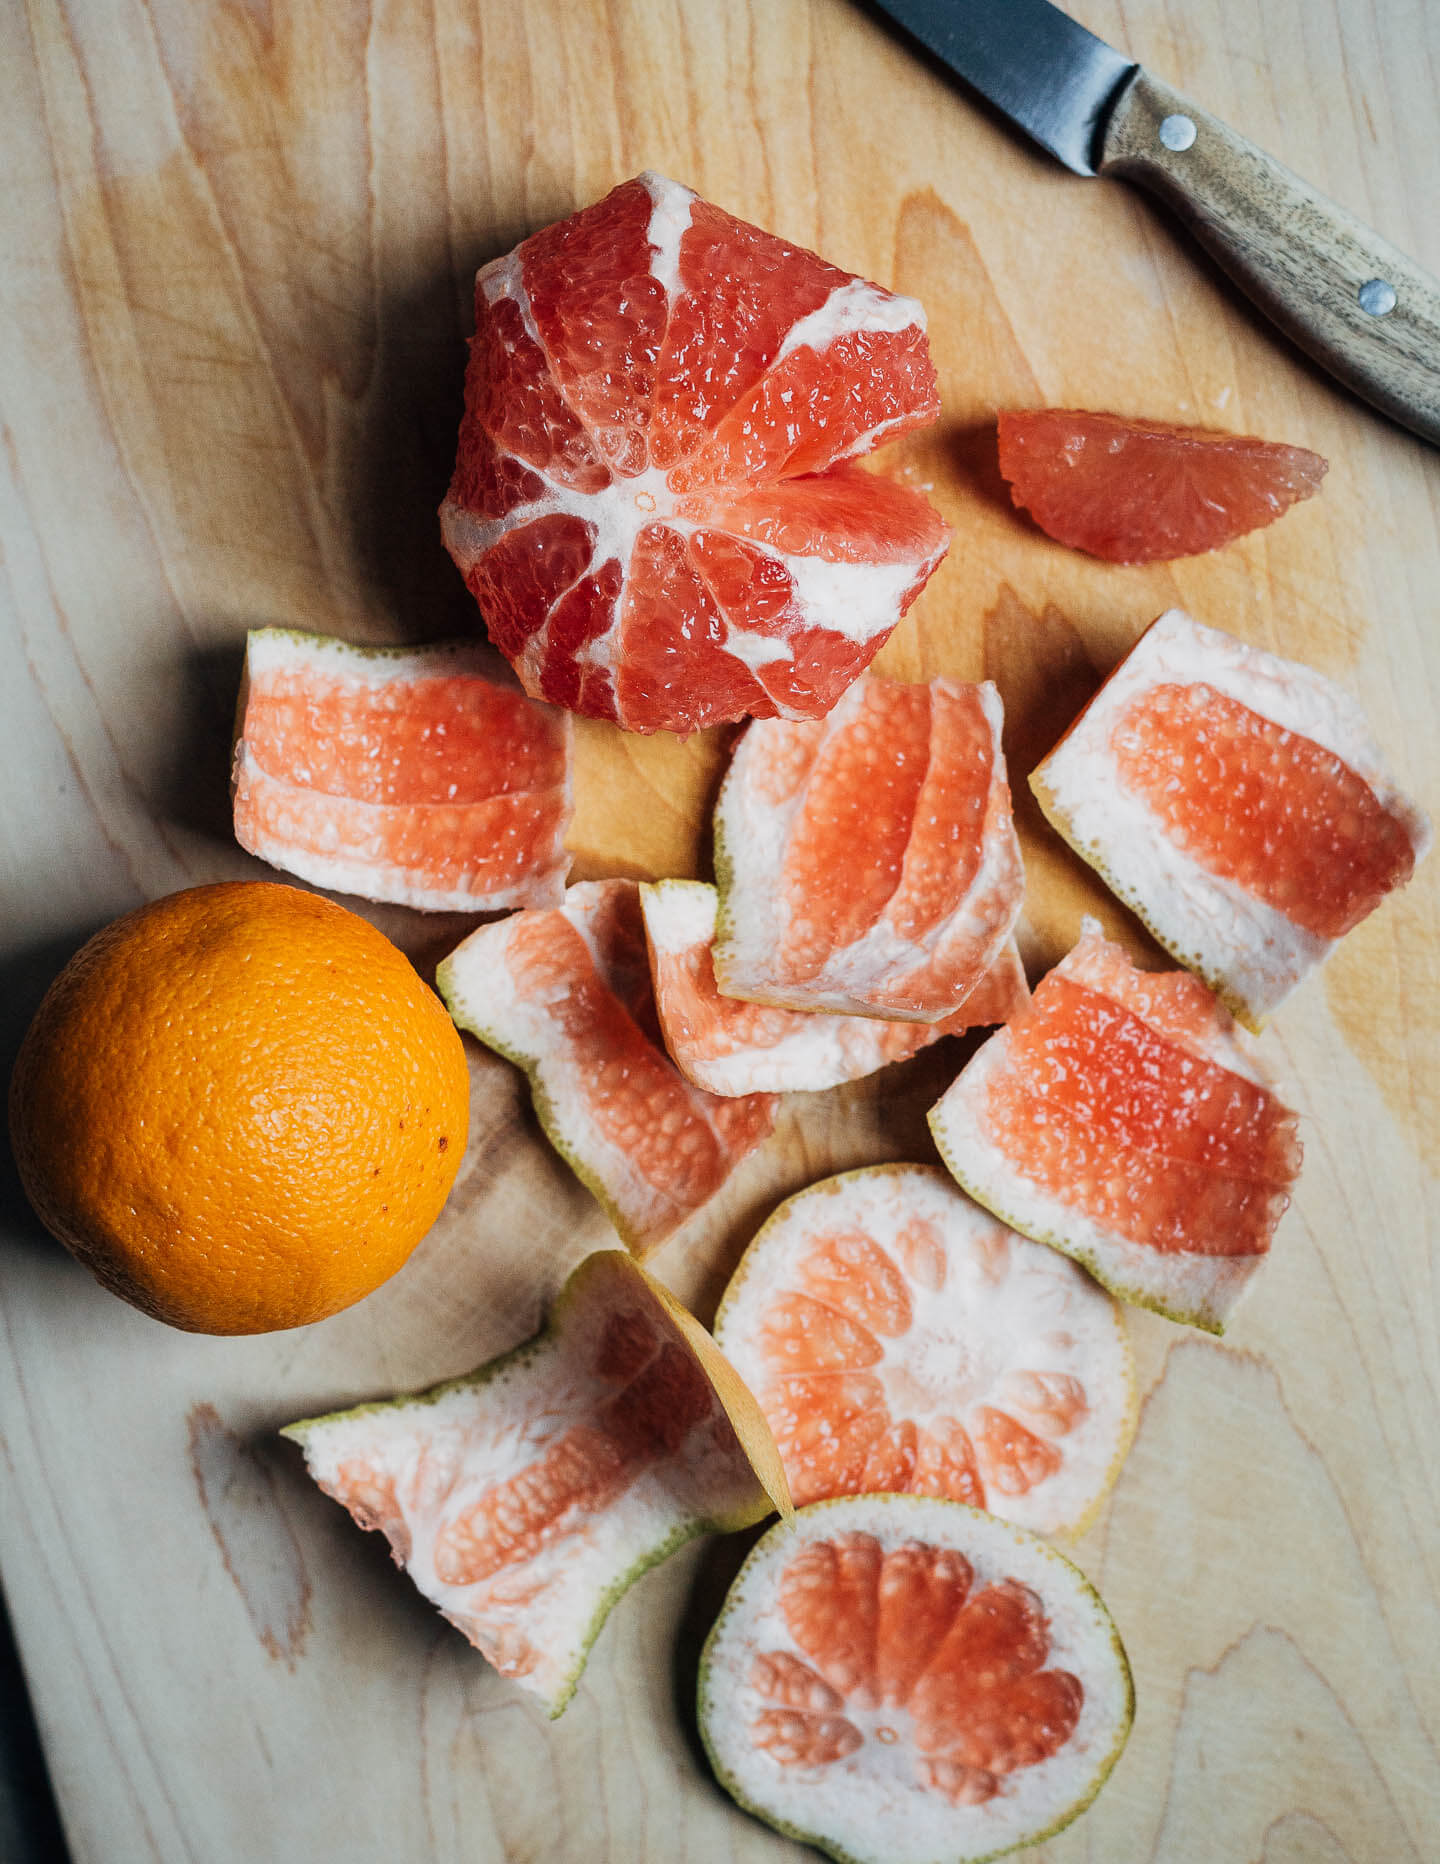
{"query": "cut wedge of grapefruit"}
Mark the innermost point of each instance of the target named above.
(400, 773)
(1122, 1119)
(1237, 802)
(730, 1047)
(566, 994)
(654, 500)
(525, 1499)
(902, 1680)
(1145, 492)
(867, 864)
(899, 1338)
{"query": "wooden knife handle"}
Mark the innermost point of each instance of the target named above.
(1348, 298)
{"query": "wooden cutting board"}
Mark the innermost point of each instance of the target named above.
(238, 242)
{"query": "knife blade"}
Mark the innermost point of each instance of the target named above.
(1344, 295)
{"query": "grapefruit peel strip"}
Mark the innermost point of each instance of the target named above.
(1004, 1304)
(904, 1820)
(1193, 1289)
(1249, 953)
(421, 1467)
(345, 851)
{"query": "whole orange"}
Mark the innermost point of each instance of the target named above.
(240, 1107)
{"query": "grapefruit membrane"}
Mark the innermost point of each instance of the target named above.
(730, 1047)
(566, 994)
(406, 774)
(900, 1338)
(867, 864)
(898, 1679)
(1237, 803)
(655, 499)
(1123, 1119)
(524, 1499)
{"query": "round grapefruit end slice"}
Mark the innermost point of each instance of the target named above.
(897, 1679)
(899, 1338)
(407, 774)
(1145, 492)
(566, 994)
(1237, 802)
(1122, 1120)
(524, 1499)
(867, 865)
(655, 500)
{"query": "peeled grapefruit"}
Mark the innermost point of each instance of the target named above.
(867, 864)
(1145, 492)
(525, 1499)
(900, 1680)
(1237, 802)
(566, 994)
(730, 1047)
(899, 1338)
(1122, 1120)
(654, 500)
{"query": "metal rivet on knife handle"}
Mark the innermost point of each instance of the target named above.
(1178, 132)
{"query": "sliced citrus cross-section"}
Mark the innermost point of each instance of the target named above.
(1237, 802)
(1145, 492)
(1122, 1119)
(898, 1680)
(867, 864)
(899, 1337)
(406, 774)
(655, 500)
(731, 1047)
(524, 1499)
(566, 994)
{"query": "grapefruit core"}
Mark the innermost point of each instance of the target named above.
(655, 500)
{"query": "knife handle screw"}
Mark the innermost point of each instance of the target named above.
(1377, 296)
(1177, 132)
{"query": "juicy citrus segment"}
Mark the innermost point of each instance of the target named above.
(899, 1679)
(524, 1499)
(1237, 802)
(898, 1337)
(651, 500)
(400, 774)
(566, 994)
(1156, 1156)
(1145, 492)
(870, 868)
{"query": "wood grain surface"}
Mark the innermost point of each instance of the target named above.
(237, 240)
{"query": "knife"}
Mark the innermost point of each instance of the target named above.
(1345, 296)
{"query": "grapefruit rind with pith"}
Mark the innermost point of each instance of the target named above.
(873, 1803)
(586, 1455)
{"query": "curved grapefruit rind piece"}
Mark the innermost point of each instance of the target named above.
(565, 995)
(840, 1699)
(730, 1047)
(654, 500)
(1007, 1344)
(525, 1498)
(411, 775)
(1145, 491)
(868, 865)
(1196, 1289)
(1250, 952)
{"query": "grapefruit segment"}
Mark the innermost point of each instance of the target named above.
(1144, 491)
(524, 1499)
(1144, 1143)
(900, 1679)
(661, 407)
(1237, 802)
(401, 774)
(869, 867)
(566, 994)
(999, 1374)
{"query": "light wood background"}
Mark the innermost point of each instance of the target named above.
(236, 244)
